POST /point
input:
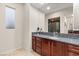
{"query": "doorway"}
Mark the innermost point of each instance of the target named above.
(54, 24)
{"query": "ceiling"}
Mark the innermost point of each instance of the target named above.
(53, 6)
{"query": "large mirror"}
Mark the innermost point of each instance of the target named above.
(67, 22)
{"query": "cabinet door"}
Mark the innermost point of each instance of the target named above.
(73, 50)
(45, 47)
(58, 49)
(33, 43)
(53, 49)
(64, 49)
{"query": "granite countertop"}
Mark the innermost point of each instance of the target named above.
(74, 41)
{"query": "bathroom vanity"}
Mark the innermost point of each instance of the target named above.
(47, 44)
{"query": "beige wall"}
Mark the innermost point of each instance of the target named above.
(26, 26)
(37, 19)
(11, 39)
(34, 19)
(62, 14)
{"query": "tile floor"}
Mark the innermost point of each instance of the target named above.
(21, 52)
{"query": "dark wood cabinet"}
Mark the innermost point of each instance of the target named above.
(58, 49)
(64, 49)
(45, 47)
(53, 48)
(39, 45)
(34, 43)
(73, 53)
(73, 50)
(38, 42)
(38, 50)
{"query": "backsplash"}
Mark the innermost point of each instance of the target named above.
(73, 36)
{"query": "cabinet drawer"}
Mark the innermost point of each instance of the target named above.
(73, 50)
(38, 42)
(38, 39)
(73, 47)
(39, 45)
(38, 50)
(33, 37)
(73, 54)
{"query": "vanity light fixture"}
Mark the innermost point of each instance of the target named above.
(48, 8)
